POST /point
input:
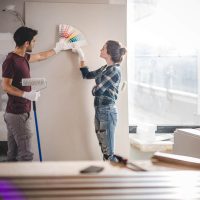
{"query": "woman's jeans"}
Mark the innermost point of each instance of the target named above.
(105, 123)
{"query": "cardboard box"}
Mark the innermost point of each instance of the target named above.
(187, 142)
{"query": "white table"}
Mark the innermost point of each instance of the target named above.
(160, 144)
(140, 150)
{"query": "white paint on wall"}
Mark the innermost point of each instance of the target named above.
(6, 43)
(118, 2)
(65, 109)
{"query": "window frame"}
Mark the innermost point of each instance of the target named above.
(162, 129)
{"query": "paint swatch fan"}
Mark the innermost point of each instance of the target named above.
(71, 36)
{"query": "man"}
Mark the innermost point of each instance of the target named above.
(14, 69)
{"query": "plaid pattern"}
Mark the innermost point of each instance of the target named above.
(107, 79)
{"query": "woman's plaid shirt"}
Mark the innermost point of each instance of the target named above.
(107, 79)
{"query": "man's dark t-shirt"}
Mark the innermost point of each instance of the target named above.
(16, 67)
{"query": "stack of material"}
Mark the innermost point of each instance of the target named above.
(178, 161)
(52, 181)
(143, 185)
(187, 142)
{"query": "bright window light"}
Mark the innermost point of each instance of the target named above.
(163, 61)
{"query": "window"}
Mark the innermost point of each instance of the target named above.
(163, 62)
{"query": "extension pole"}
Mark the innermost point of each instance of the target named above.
(37, 131)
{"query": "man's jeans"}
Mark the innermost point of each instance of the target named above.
(19, 137)
(105, 123)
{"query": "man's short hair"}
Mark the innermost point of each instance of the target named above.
(24, 34)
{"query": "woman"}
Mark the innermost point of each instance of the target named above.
(107, 79)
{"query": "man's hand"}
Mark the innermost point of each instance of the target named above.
(32, 96)
(62, 45)
(80, 53)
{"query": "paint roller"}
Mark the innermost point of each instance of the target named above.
(39, 84)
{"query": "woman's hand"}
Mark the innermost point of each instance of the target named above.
(80, 53)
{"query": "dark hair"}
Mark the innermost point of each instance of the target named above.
(23, 34)
(115, 50)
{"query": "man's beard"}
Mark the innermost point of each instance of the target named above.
(29, 50)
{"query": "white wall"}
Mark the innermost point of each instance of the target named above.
(9, 23)
(65, 109)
